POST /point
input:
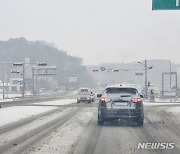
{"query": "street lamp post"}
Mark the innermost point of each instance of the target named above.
(146, 89)
(3, 82)
(23, 90)
(33, 92)
(145, 81)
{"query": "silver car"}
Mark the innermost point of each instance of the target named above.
(119, 102)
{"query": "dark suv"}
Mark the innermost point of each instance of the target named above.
(119, 102)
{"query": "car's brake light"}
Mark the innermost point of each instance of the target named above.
(137, 100)
(103, 100)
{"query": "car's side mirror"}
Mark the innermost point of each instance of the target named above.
(141, 96)
(99, 95)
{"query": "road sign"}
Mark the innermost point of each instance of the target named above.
(44, 71)
(166, 4)
(102, 68)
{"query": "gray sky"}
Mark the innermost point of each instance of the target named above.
(96, 30)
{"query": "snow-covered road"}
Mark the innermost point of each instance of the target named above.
(62, 126)
(16, 113)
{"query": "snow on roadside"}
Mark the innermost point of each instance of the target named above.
(146, 103)
(58, 102)
(159, 100)
(64, 139)
(16, 113)
(174, 110)
(15, 133)
(6, 100)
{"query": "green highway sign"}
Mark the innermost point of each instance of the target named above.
(166, 4)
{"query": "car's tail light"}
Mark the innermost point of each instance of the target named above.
(137, 100)
(105, 99)
(102, 100)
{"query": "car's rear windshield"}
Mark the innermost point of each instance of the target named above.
(121, 90)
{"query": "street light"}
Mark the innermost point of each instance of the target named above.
(145, 68)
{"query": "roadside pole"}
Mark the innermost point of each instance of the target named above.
(33, 80)
(3, 82)
(170, 75)
(146, 90)
(23, 86)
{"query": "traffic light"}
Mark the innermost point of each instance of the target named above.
(149, 84)
(41, 64)
(14, 71)
(115, 70)
(17, 64)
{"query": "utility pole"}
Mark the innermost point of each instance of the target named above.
(146, 89)
(3, 82)
(170, 75)
(145, 81)
(23, 87)
(33, 80)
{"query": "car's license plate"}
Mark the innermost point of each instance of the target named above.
(120, 104)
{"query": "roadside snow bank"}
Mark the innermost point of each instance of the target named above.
(64, 139)
(16, 113)
(6, 100)
(174, 110)
(58, 102)
(158, 104)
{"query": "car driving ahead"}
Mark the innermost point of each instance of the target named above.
(85, 95)
(120, 102)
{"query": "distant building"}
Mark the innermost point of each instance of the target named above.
(15, 86)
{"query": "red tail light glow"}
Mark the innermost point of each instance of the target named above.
(137, 100)
(103, 100)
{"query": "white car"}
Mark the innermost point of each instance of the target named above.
(85, 95)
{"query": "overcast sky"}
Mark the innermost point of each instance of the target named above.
(99, 31)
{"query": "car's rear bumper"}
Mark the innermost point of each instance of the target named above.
(108, 114)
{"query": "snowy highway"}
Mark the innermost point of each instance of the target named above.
(63, 127)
